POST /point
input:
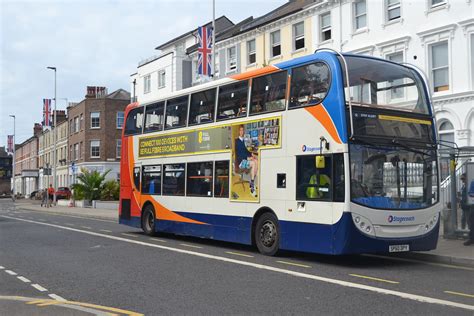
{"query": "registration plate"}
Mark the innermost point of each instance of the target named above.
(398, 248)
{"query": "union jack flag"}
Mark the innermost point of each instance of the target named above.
(46, 112)
(10, 144)
(205, 50)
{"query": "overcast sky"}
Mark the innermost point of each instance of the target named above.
(91, 43)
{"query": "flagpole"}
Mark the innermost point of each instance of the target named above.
(213, 37)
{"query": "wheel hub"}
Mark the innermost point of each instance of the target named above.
(268, 234)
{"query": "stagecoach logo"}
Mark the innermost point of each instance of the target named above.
(400, 219)
(305, 148)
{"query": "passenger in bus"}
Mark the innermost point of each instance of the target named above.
(245, 159)
(318, 186)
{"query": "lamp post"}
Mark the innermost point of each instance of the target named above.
(54, 133)
(14, 157)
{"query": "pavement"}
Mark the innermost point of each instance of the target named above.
(448, 251)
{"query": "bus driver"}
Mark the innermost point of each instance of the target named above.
(245, 159)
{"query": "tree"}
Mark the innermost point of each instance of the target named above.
(110, 191)
(90, 184)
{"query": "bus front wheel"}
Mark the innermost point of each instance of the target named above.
(148, 220)
(267, 234)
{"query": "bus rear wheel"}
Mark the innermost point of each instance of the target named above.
(148, 220)
(267, 234)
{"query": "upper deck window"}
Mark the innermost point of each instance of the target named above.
(233, 100)
(176, 112)
(268, 93)
(309, 84)
(134, 121)
(202, 107)
(154, 117)
(373, 83)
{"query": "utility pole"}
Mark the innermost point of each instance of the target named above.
(14, 157)
(54, 134)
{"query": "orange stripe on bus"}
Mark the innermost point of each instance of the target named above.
(255, 73)
(163, 213)
(320, 113)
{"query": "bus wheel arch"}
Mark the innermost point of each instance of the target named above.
(148, 218)
(265, 222)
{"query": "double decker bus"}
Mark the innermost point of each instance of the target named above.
(328, 153)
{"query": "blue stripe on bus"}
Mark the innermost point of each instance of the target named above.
(340, 238)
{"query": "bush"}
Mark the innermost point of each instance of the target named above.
(110, 191)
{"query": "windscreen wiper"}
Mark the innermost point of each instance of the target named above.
(396, 142)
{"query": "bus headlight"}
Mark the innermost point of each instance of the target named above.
(363, 224)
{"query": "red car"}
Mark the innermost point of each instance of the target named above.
(63, 193)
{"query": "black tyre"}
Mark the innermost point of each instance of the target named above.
(148, 220)
(267, 234)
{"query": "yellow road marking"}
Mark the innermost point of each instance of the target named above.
(130, 235)
(36, 302)
(192, 246)
(105, 230)
(47, 302)
(374, 279)
(444, 265)
(238, 254)
(294, 264)
(459, 293)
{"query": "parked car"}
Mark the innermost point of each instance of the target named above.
(63, 193)
(33, 195)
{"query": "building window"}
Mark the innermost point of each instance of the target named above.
(396, 93)
(173, 180)
(325, 20)
(161, 79)
(360, 14)
(251, 52)
(76, 124)
(439, 66)
(95, 148)
(118, 148)
(199, 179)
(472, 60)
(76, 151)
(146, 84)
(81, 123)
(435, 3)
(119, 120)
(275, 43)
(393, 10)
(298, 36)
(95, 119)
(71, 129)
(446, 133)
(81, 151)
(231, 59)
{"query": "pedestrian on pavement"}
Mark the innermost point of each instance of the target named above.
(44, 198)
(466, 209)
(50, 194)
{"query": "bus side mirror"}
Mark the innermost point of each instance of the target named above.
(320, 162)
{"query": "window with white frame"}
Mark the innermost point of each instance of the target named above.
(119, 120)
(76, 151)
(95, 148)
(393, 10)
(325, 21)
(95, 119)
(439, 66)
(118, 148)
(298, 36)
(360, 14)
(275, 49)
(196, 72)
(435, 3)
(472, 59)
(81, 123)
(147, 84)
(446, 133)
(251, 52)
(76, 124)
(161, 78)
(396, 93)
(231, 59)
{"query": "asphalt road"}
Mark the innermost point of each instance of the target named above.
(104, 266)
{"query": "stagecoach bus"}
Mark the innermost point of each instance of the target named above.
(328, 153)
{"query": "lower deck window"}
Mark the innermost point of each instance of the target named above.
(173, 180)
(313, 183)
(199, 179)
(221, 176)
(151, 183)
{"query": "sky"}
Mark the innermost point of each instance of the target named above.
(91, 43)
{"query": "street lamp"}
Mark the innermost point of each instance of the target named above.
(54, 134)
(14, 156)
